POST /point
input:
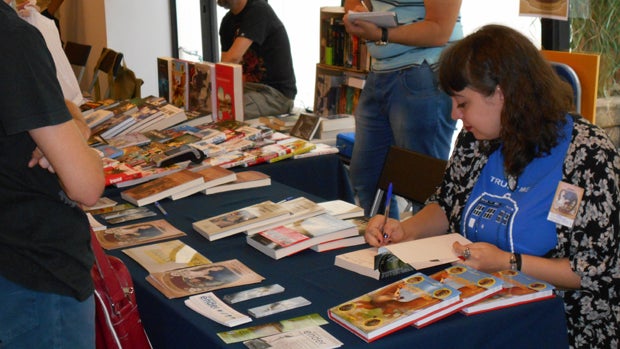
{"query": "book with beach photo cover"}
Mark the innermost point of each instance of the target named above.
(203, 278)
(518, 288)
(137, 234)
(393, 307)
(166, 255)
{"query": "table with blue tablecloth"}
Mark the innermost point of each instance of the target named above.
(171, 324)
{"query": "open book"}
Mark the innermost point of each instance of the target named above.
(385, 19)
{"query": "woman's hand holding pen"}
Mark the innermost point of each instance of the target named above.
(378, 226)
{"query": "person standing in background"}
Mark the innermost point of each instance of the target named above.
(48, 172)
(401, 103)
(251, 34)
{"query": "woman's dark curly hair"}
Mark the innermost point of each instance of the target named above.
(536, 99)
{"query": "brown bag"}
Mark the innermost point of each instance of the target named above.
(126, 85)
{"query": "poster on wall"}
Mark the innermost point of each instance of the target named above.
(553, 9)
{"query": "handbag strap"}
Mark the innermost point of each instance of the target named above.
(111, 283)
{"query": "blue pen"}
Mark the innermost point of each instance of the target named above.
(285, 200)
(161, 209)
(388, 203)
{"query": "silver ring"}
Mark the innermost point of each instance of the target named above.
(466, 253)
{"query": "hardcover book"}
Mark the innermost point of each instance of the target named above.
(203, 278)
(167, 255)
(229, 92)
(162, 187)
(245, 180)
(240, 220)
(306, 126)
(518, 288)
(137, 234)
(393, 307)
(473, 284)
(291, 238)
(212, 176)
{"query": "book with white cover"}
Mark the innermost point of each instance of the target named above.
(308, 338)
(342, 209)
(167, 255)
(245, 180)
(285, 240)
(301, 208)
(361, 223)
(427, 252)
(210, 306)
(240, 220)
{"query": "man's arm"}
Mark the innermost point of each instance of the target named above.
(237, 50)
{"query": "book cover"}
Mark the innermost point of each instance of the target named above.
(162, 187)
(518, 288)
(202, 96)
(109, 151)
(97, 117)
(167, 255)
(172, 115)
(214, 175)
(240, 220)
(355, 240)
(301, 208)
(363, 262)
(212, 307)
(393, 307)
(164, 69)
(319, 149)
(297, 146)
(306, 126)
(291, 238)
(473, 284)
(179, 83)
(245, 180)
(137, 234)
(427, 252)
(145, 116)
(120, 172)
(342, 209)
(229, 91)
(128, 140)
(308, 338)
(272, 328)
(203, 278)
(127, 215)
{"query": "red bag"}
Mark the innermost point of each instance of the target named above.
(117, 320)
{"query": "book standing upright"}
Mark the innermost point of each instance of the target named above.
(229, 92)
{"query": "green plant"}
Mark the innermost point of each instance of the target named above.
(599, 32)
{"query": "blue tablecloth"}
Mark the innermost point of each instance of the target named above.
(170, 324)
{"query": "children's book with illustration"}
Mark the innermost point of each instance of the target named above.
(518, 288)
(285, 240)
(166, 255)
(473, 284)
(394, 307)
(203, 278)
(240, 220)
(137, 234)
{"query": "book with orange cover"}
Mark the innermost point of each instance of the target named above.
(162, 187)
(137, 234)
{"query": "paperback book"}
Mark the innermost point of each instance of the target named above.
(212, 176)
(203, 278)
(240, 220)
(245, 180)
(473, 284)
(163, 187)
(291, 238)
(301, 208)
(278, 307)
(342, 209)
(256, 292)
(363, 262)
(360, 223)
(518, 288)
(137, 234)
(308, 338)
(210, 306)
(128, 215)
(393, 307)
(167, 255)
(229, 91)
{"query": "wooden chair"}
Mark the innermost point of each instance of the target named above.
(586, 66)
(414, 176)
(78, 56)
(108, 63)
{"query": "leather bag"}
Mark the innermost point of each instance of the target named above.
(117, 320)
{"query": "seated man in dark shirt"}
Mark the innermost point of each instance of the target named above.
(251, 34)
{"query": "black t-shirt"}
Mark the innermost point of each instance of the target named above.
(45, 237)
(268, 60)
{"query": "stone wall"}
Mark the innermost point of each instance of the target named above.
(608, 117)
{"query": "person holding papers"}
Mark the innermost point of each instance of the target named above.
(401, 103)
(251, 34)
(518, 156)
(48, 172)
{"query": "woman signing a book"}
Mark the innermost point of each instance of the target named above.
(520, 153)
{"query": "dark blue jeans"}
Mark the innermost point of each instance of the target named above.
(31, 319)
(404, 108)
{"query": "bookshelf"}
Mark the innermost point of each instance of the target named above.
(342, 68)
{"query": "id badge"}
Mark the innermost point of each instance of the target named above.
(565, 204)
